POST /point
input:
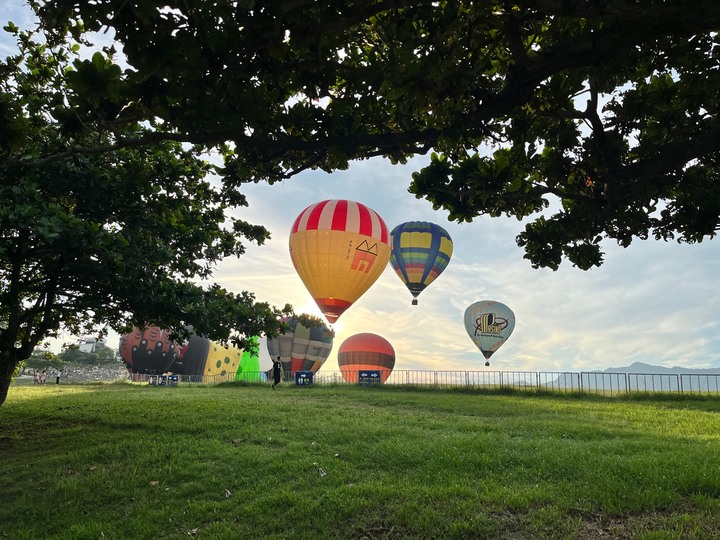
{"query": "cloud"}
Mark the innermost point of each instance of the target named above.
(650, 303)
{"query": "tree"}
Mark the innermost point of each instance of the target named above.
(19, 369)
(102, 354)
(106, 238)
(41, 358)
(607, 110)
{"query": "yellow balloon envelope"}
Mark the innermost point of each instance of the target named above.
(339, 249)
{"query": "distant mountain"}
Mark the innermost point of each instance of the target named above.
(641, 377)
(640, 367)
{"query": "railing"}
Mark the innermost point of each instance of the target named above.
(583, 382)
(701, 383)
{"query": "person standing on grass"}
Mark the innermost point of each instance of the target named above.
(57, 376)
(43, 377)
(277, 372)
(36, 379)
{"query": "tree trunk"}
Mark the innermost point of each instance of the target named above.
(7, 366)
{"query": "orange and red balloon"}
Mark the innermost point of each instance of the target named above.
(363, 352)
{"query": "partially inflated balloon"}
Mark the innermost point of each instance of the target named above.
(249, 369)
(365, 352)
(303, 348)
(148, 351)
(202, 357)
(339, 249)
(489, 324)
(419, 252)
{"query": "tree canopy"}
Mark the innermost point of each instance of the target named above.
(595, 119)
(101, 354)
(108, 238)
(590, 120)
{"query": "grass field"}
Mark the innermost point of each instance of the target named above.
(243, 461)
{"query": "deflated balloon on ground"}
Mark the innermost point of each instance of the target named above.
(202, 357)
(305, 347)
(152, 352)
(148, 351)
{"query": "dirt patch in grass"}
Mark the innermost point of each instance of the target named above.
(687, 523)
(670, 523)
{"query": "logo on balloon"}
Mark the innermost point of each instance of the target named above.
(365, 256)
(489, 323)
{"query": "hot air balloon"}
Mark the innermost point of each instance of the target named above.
(365, 352)
(249, 369)
(304, 348)
(339, 248)
(148, 351)
(489, 324)
(202, 357)
(419, 252)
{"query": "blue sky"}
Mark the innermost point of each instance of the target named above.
(654, 302)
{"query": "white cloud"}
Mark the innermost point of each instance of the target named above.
(652, 302)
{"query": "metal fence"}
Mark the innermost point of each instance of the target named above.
(582, 382)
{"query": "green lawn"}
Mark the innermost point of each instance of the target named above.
(243, 461)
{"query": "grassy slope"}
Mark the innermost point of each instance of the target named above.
(124, 461)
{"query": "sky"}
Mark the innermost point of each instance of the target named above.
(654, 302)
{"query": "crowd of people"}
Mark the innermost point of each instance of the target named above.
(40, 377)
